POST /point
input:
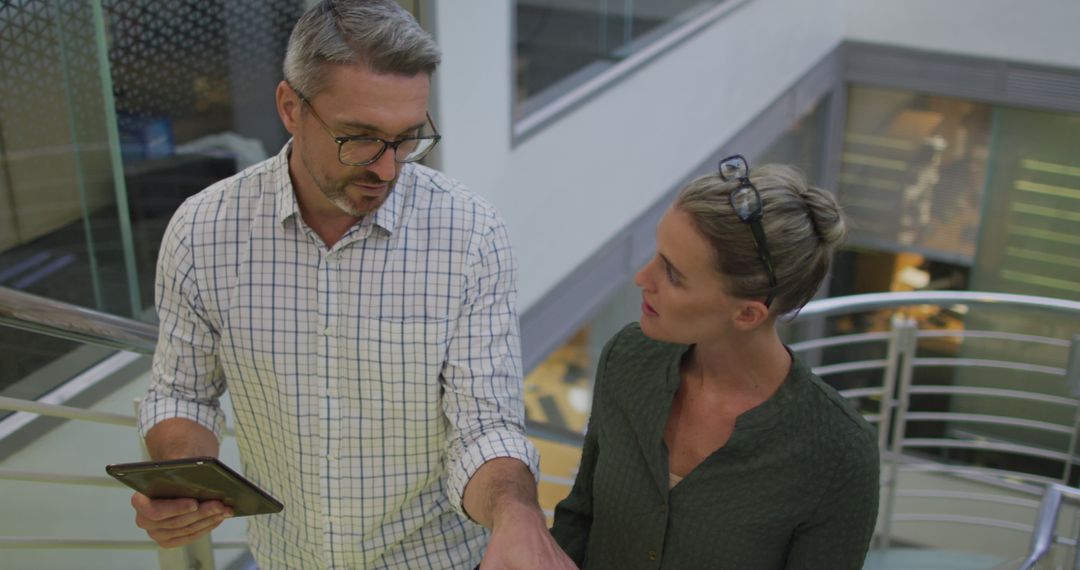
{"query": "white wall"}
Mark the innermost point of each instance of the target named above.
(1033, 31)
(567, 189)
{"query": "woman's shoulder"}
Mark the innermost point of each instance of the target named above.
(631, 354)
(632, 344)
(838, 417)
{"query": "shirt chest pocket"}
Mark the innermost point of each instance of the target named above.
(398, 364)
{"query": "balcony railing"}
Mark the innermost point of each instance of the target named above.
(913, 363)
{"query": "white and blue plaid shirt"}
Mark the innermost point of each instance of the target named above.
(369, 380)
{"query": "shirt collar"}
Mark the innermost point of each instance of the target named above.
(286, 197)
(386, 217)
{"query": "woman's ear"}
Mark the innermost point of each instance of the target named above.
(751, 314)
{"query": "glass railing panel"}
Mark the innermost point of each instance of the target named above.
(44, 363)
(59, 177)
(112, 112)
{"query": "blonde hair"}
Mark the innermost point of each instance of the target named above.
(803, 225)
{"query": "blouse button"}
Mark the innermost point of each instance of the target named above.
(652, 555)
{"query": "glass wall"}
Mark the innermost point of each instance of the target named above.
(1033, 195)
(562, 43)
(1028, 246)
(112, 112)
(946, 193)
(60, 230)
(990, 188)
(913, 171)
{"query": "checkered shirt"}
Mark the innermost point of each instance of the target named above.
(369, 380)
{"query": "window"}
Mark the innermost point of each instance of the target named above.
(560, 44)
(913, 170)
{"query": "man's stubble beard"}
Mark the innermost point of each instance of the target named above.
(338, 194)
(337, 191)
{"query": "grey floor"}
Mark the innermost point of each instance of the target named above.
(920, 559)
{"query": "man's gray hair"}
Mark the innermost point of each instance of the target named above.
(378, 34)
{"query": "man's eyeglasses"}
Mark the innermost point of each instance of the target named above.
(746, 201)
(360, 150)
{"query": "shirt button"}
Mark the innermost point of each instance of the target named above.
(652, 555)
(663, 508)
(326, 331)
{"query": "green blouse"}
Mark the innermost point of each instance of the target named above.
(795, 487)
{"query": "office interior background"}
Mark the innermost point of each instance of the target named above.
(950, 132)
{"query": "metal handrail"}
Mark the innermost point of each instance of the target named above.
(63, 320)
(66, 412)
(1026, 482)
(874, 301)
(28, 312)
(73, 413)
(50, 477)
(35, 542)
(995, 335)
(989, 363)
(1042, 537)
(993, 393)
(33, 313)
(968, 496)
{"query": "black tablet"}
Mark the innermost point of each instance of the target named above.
(202, 478)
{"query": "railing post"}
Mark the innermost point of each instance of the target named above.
(196, 555)
(895, 392)
(1042, 536)
(1072, 368)
(1072, 384)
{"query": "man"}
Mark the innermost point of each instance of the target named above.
(360, 309)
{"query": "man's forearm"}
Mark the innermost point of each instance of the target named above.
(501, 487)
(180, 437)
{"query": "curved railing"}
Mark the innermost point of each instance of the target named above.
(900, 384)
(890, 386)
(874, 301)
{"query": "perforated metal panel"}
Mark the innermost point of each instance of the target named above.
(196, 61)
(41, 44)
(50, 115)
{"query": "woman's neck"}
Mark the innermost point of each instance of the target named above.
(751, 365)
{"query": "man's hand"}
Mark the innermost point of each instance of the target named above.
(520, 540)
(501, 495)
(176, 522)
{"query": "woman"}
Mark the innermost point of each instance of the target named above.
(709, 444)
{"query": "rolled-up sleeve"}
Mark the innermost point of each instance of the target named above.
(482, 375)
(186, 379)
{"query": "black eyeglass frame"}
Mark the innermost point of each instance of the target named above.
(341, 139)
(747, 193)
